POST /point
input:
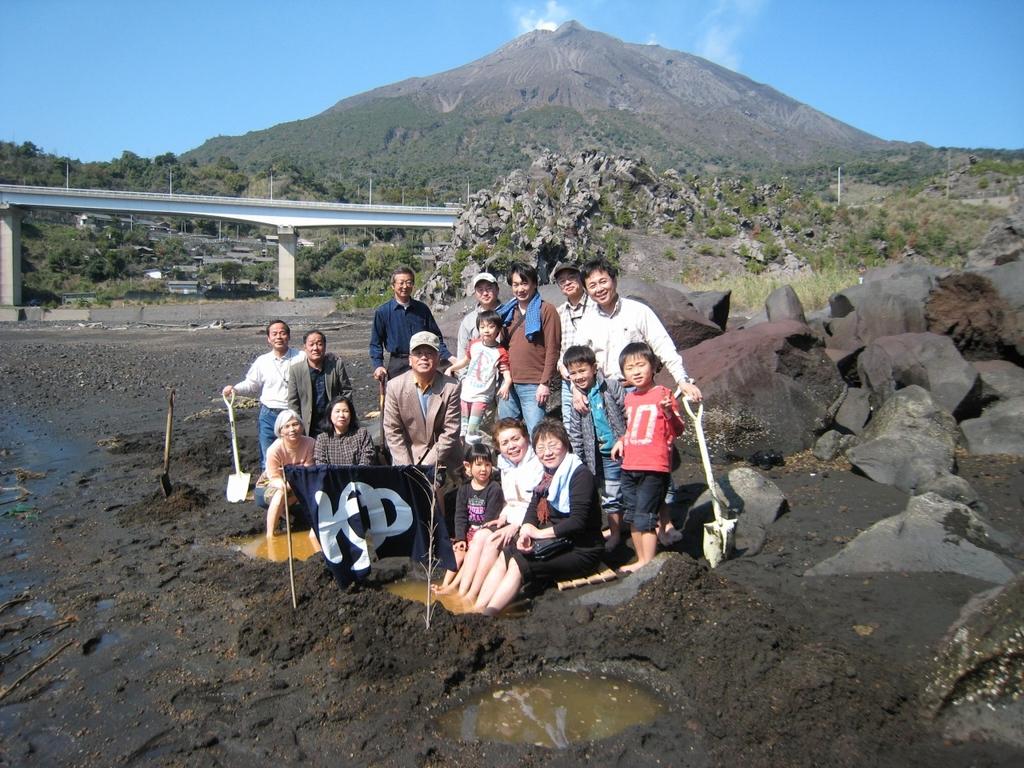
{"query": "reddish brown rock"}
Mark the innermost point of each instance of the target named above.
(768, 387)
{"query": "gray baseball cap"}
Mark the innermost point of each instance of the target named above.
(424, 339)
(561, 267)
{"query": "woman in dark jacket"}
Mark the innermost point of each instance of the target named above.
(565, 505)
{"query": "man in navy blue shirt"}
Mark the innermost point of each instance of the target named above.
(395, 322)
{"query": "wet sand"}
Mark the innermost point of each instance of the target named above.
(185, 651)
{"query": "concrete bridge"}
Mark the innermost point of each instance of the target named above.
(288, 216)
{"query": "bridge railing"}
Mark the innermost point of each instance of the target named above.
(447, 209)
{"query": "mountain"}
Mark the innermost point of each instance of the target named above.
(564, 91)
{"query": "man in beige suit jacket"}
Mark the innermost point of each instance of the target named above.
(421, 409)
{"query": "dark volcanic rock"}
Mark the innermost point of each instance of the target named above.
(687, 326)
(908, 443)
(767, 387)
(999, 429)
(1004, 241)
(754, 500)
(784, 304)
(890, 301)
(977, 686)
(926, 359)
(969, 308)
(1000, 380)
(855, 411)
(712, 305)
(933, 534)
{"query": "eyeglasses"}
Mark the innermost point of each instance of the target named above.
(552, 447)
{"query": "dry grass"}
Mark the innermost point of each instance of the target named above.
(750, 291)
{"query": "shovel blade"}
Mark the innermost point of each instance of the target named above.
(719, 541)
(165, 484)
(238, 486)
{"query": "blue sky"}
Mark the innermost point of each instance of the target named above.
(91, 78)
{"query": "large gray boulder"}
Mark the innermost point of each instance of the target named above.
(712, 305)
(999, 429)
(926, 359)
(976, 688)
(932, 535)
(768, 387)
(855, 410)
(754, 500)
(1008, 280)
(890, 301)
(1000, 380)
(685, 324)
(784, 304)
(908, 443)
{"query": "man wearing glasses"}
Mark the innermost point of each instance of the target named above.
(421, 409)
(396, 322)
(577, 305)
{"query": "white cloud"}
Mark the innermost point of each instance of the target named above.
(549, 18)
(723, 26)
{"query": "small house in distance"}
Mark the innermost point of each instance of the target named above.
(184, 287)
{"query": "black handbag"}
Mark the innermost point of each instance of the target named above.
(545, 549)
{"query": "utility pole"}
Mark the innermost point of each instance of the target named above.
(271, 183)
(67, 176)
(947, 174)
(170, 182)
(839, 187)
(371, 190)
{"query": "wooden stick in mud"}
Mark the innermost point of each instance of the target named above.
(33, 670)
(288, 533)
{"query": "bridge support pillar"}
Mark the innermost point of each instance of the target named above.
(287, 244)
(10, 255)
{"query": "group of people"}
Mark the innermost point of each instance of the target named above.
(608, 456)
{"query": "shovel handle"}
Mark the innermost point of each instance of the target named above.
(234, 437)
(698, 428)
(167, 432)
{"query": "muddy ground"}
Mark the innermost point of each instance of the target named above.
(185, 652)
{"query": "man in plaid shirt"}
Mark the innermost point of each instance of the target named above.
(577, 305)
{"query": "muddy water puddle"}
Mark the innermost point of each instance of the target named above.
(555, 710)
(416, 590)
(275, 548)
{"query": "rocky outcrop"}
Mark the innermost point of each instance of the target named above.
(545, 214)
(752, 499)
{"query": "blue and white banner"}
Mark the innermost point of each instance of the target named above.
(349, 506)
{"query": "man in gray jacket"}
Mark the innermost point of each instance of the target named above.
(315, 381)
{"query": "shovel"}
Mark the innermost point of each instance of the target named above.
(165, 478)
(719, 534)
(384, 451)
(238, 483)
